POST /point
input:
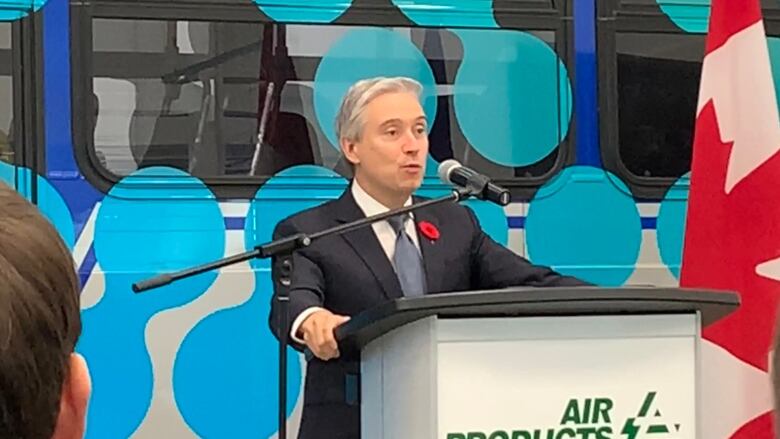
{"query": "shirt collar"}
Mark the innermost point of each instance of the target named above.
(368, 204)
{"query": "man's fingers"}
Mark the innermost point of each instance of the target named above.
(319, 337)
(325, 335)
(319, 346)
(313, 339)
(332, 345)
(325, 353)
(322, 354)
(329, 343)
(326, 343)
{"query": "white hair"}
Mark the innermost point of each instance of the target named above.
(349, 120)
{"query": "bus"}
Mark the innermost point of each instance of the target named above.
(161, 134)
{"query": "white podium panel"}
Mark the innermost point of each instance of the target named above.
(575, 377)
(594, 377)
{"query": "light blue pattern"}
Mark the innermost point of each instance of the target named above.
(311, 186)
(670, 227)
(303, 11)
(49, 202)
(491, 217)
(225, 376)
(689, 15)
(234, 347)
(585, 223)
(155, 220)
(11, 10)
(364, 53)
(513, 96)
(454, 13)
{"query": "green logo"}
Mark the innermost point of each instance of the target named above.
(590, 418)
(632, 427)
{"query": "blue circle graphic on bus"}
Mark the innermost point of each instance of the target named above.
(670, 227)
(513, 96)
(365, 53)
(689, 15)
(584, 222)
(156, 220)
(492, 218)
(290, 191)
(49, 201)
(15, 9)
(453, 13)
(230, 357)
(234, 347)
(307, 11)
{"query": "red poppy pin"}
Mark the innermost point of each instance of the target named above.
(429, 230)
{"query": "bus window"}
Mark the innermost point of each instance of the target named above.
(649, 79)
(234, 102)
(650, 57)
(658, 79)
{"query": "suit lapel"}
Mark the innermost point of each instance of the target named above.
(367, 247)
(433, 259)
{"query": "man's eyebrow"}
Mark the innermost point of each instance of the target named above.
(390, 121)
(396, 120)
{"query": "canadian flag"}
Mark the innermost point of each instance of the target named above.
(732, 238)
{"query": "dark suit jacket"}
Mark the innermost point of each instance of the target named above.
(350, 273)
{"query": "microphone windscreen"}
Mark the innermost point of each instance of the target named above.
(445, 168)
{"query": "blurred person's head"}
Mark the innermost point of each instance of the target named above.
(44, 384)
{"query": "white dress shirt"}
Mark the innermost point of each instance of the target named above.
(383, 231)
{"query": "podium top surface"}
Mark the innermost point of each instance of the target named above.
(526, 302)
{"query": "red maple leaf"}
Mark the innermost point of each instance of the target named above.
(727, 236)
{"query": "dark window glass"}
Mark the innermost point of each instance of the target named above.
(658, 81)
(659, 48)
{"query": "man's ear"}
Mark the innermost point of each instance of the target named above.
(74, 399)
(349, 149)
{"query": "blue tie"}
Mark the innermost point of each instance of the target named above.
(407, 259)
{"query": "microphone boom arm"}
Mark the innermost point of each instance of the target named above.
(294, 242)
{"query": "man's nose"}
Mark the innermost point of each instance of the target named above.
(411, 143)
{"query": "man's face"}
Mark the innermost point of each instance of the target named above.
(390, 156)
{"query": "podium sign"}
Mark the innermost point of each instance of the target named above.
(567, 378)
(587, 377)
(581, 364)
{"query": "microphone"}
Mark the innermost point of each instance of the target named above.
(452, 172)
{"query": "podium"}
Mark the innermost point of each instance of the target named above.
(534, 363)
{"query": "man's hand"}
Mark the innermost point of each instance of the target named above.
(317, 332)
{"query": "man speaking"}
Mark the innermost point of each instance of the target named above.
(382, 132)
